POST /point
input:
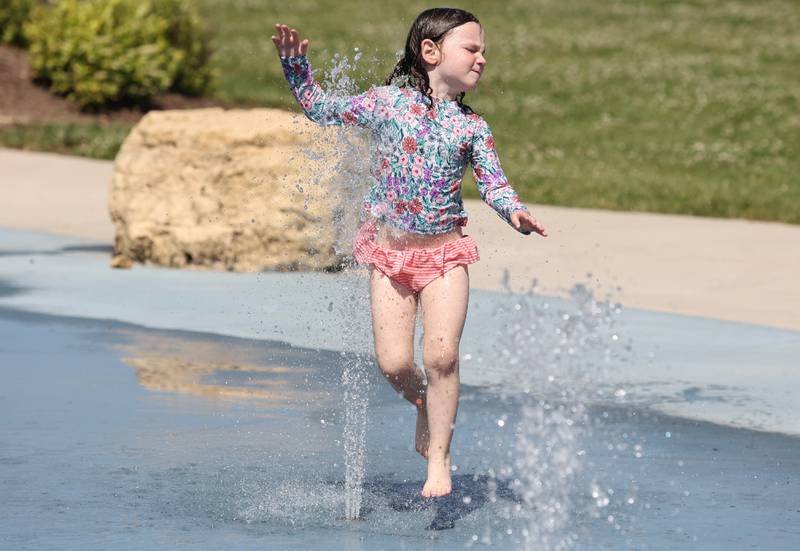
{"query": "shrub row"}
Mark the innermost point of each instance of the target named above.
(13, 15)
(100, 53)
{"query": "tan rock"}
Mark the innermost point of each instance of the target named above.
(229, 190)
(121, 261)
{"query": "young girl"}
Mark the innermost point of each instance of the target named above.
(411, 237)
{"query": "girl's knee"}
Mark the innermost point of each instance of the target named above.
(442, 361)
(394, 365)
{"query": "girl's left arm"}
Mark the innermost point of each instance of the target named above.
(492, 183)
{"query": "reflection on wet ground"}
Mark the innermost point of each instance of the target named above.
(210, 369)
(117, 436)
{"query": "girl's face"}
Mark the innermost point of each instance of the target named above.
(462, 57)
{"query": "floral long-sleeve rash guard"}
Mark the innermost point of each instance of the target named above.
(419, 156)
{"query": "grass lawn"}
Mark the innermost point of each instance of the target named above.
(99, 141)
(652, 105)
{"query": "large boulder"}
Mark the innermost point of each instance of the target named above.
(225, 189)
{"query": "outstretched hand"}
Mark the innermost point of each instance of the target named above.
(288, 42)
(523, 222)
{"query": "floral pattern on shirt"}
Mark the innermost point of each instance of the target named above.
(419, 156)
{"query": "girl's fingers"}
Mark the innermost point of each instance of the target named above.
(538, 228)
(528, 222)
(288, 41)
(285, 39)
(278, 40)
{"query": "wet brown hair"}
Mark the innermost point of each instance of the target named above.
(432, 24)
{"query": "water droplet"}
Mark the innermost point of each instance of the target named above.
(668, 434)
(500, 423)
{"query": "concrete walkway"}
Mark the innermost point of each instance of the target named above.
(723, 269)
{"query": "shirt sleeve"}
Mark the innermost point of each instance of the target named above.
(492, 183)
(325, 109)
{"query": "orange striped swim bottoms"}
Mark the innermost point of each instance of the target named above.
(412, 268)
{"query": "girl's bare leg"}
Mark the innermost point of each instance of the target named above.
(394, 314)
(444, 310)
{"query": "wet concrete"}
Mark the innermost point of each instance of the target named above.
(94, 456)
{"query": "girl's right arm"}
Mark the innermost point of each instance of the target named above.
(316, 104)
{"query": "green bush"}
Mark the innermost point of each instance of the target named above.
(187, 34)
(13, 15)
(104, 52)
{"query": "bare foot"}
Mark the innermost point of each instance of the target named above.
(438, 483)
(423, 436)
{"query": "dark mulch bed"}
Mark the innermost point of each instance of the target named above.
(23, 101)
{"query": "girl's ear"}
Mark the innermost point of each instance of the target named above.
(430, 52)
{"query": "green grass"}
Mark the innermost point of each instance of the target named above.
(99, 141)
(651, 105)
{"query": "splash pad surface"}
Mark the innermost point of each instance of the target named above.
(218, 422)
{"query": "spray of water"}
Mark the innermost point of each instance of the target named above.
(350, 182)
(558, 357)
